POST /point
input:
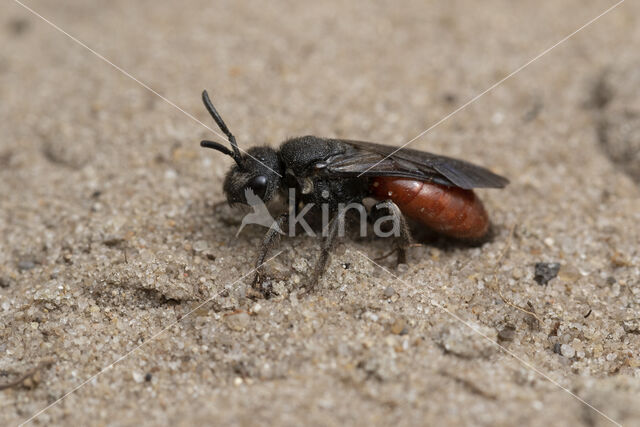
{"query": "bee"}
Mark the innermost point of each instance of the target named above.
(432, 190)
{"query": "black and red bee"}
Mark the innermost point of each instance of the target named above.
(435, 191)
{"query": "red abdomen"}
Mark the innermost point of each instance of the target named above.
(448, 210)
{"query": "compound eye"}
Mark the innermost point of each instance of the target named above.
(259, 185)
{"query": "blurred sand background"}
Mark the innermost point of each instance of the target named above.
(109, 232)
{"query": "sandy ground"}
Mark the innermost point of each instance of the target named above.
(110, 235)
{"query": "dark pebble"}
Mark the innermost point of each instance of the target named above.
(450, 97)
(507, 333)
(112, 241)
(26, 265)
(546, 271)
(556, 348)
(5, 282)
(148, 377)
(18, 26)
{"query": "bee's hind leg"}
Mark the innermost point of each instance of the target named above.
(402, 235)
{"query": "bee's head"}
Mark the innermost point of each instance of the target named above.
(258, 171)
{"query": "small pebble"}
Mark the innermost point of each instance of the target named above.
(631, 326)
(545, 271)
(389, 292)
(33, 381)
(516, 273)
(26, 265)
(567, 351)
(466, 340)
(256, 308)
(507, 333)
(200, 246)
(18, 25)
(111, 241)
(399, 327)
(138, 377)
(300, 265)
(569, 273)
(170, 174)
(5, 282)
(148, 377)
(237, 321)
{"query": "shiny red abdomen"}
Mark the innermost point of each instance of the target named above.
(451, 211)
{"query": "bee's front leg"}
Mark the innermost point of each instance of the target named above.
(270, 239)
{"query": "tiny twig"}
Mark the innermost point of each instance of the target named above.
(30, 373)
(386, 255)
(468, 384)
(394, 250)
(497, 285)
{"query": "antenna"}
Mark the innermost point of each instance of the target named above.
(223, 127)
